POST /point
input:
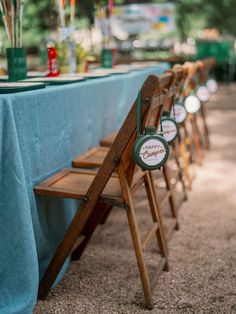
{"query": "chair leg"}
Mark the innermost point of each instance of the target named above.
(171, 198)
(180, 173)
(187, 138)
(97, 216)
(184, 158)
(133, 225)
(106, 214)
(152, 186)
(188, 141)
(206, 129)
(63, 251)
(196, 139)
(156, 216)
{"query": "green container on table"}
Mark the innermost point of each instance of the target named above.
(106, 58)
(16, 64)
(221, 50)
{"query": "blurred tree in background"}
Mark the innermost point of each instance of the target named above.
(194, 15)
(40, 18)
(221, 14)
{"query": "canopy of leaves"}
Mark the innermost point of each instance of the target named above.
(40, 17)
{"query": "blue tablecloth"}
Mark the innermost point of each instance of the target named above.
(41, 132)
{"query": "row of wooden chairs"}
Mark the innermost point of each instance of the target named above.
(194, 136)
(107, 176)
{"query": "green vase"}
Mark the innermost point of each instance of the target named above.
(16, 64)
(106, 58)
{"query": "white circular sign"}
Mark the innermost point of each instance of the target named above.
(212, 86)
(192, 104)
(203, 93)
(179, 113)
(152, 152)
(170, 130)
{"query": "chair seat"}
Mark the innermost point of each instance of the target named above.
(74, 183)
(93, 158)
(108, 140)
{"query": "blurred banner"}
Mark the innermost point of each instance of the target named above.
(138, 18)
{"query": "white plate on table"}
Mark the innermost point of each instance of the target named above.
(56, 80)
(86, 75)
(111, 71)
(12, 87)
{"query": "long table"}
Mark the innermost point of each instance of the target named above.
(41, 131)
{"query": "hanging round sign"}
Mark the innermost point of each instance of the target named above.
(203, 93)
(169, 128)
(192, 104)
(150, 150)
(212, 86)
(179, 112)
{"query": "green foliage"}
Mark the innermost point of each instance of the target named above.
(40, 17)
(221, 14)
(198, 14)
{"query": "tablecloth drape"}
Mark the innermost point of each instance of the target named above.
(41, 132)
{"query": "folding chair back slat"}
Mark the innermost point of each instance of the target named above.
(163, 82)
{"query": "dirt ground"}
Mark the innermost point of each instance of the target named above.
(202, 278)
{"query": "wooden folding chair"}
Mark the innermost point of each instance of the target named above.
(203, 68)
(198, 76)
(180, 75)
(184, 138)
(195, 146)
(112, 183)
(95, 156)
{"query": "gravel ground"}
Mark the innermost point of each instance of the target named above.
(202, 256)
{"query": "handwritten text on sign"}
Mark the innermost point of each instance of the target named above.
(152, 152)
(179, 113)
(169, 130)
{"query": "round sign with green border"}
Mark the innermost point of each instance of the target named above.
(212, 85)
(169, 127)
(192, 103)
(150, 150)
(203, 93)
(179, 112)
